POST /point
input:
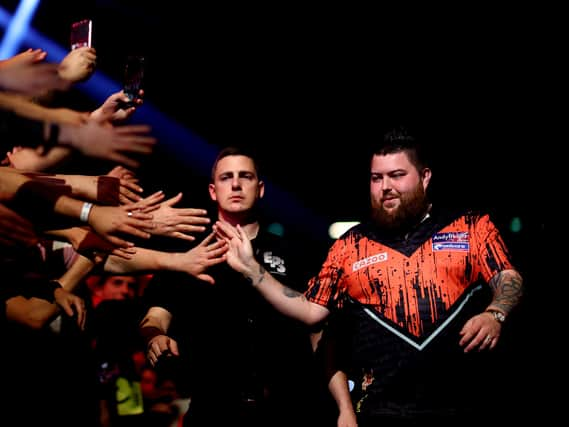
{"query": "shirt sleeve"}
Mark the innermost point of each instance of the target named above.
(325, 288)
(492, 255)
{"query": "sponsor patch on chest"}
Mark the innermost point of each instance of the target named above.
(374, 259)
(274, 263)
(451, 241)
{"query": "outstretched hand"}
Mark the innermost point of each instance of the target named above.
(120, 144)
(197, 260)
(178, 222)
(240, 252)
(111, 222)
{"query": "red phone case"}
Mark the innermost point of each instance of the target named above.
(81, 33)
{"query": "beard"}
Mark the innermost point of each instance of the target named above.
(412, 208)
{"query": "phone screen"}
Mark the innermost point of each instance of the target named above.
(133, 76)
(81, 33)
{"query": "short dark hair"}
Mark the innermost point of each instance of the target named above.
(400, 139)
(234, 151)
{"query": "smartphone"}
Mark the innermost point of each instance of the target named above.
(133, 77)
(81, 32)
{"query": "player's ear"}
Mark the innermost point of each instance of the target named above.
(212, 194)
(261, 189)
(426, 177)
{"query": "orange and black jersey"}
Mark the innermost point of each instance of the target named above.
(401, 302)
(414, 281)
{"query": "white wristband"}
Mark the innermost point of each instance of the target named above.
(85, 211)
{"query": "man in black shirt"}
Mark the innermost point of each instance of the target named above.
(246, 364)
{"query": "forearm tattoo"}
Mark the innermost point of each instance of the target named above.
(291, 293)
(255, 282)
(508, 289)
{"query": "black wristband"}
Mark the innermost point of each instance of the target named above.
(53, 285)
(43, 289)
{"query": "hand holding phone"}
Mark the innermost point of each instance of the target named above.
(133, 79)
(81, 32)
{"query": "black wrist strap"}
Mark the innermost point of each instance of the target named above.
(53, 285)
(44, 289)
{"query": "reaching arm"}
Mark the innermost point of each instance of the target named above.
(286, 300)
(36, 159)
(102, 189)
(107, 221)
(195, 261)
(89, 244)
(137, 259)
(109, 142)
(26, 73)
(91, 137)
(170, 221)
(39, 200)
(37, 312)
(153, 328)
(24, 107)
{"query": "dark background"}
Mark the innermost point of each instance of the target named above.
(312, 89)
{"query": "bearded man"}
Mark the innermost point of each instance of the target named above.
(420, 296)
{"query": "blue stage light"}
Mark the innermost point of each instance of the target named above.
(16, 27)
